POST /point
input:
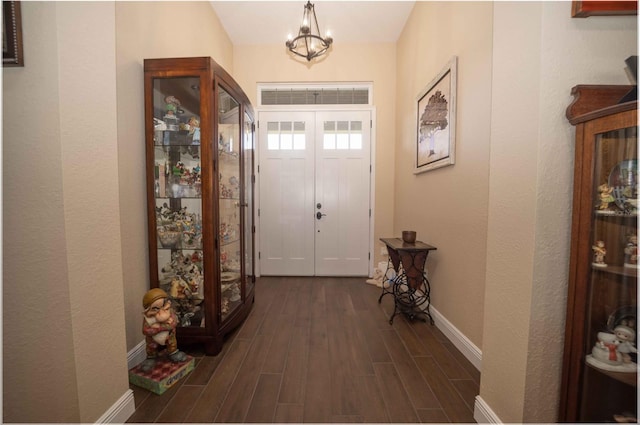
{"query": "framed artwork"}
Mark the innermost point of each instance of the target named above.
(436, 121)
(11, 34)
(584, 9)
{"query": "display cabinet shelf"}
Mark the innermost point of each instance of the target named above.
(200, 146)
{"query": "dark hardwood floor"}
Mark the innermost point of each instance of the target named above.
(321, 350)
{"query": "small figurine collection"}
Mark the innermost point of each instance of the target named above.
(182, 278)
(230, 191)
(615, 349)
(172, 129)
(177, 180)
(178, 228)
(619, 194)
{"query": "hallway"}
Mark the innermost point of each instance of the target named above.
(321, 350)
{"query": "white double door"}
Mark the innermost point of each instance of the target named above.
(314, 186)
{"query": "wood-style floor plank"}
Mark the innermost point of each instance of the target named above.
(452, 403)
(264, 401)
(321, 350)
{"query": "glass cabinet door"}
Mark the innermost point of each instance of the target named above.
(229, 138)
(609, 390)
(247, 193)
(178, 195)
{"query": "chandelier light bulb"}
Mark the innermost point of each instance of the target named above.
(328, 37)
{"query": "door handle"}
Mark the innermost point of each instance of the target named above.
(319, 215)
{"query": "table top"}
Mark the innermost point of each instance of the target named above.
(399, 245)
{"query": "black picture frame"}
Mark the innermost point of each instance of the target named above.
(12, 34)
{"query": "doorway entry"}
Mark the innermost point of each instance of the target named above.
(314, 192)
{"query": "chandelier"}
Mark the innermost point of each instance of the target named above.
(309, 44)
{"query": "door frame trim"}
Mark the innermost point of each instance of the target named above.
(372, 180)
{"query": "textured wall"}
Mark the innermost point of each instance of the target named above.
(63, 315)
(36, 314)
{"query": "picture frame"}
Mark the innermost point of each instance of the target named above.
(12, 34)
(436, 120)
(584, 9)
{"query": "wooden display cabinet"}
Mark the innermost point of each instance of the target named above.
(599, 380)
(200, 153)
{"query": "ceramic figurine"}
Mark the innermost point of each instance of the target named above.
(159, 328)
(172, 108)
(612, 349)
(631, 251)
(625, 337)
(605, 196)
(194, 130)
(599, 252)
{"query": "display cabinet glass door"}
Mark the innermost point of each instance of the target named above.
(178, 196)
(609, 390)
(248, 147)
(230, 236)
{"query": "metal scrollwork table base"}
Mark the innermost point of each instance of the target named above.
(410, 288)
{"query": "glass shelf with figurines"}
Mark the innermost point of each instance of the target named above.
(177, 174)
(179, 228)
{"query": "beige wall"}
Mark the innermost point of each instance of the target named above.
(448, 206)
(530, 193)
(255, 64)
(63, 320)
(150, 30)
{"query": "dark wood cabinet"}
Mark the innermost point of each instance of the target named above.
(599, 381)
(199, 158)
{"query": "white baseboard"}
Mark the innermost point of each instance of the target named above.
(457, 338)
(120, 411)
(483, 414)
(137, 354)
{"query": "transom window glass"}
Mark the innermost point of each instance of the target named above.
(286, 135)
(342, 135)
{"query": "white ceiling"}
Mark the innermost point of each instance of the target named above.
(269, 22)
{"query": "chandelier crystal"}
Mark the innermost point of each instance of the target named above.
(309, 44)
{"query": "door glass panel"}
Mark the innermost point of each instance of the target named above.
(286, 135)
(177, 195)
(247, 193)
(329, 136)
(355, 136)
(343, 135)
(299, 142)
(229, 193)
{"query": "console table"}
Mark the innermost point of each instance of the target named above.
(410, 288)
